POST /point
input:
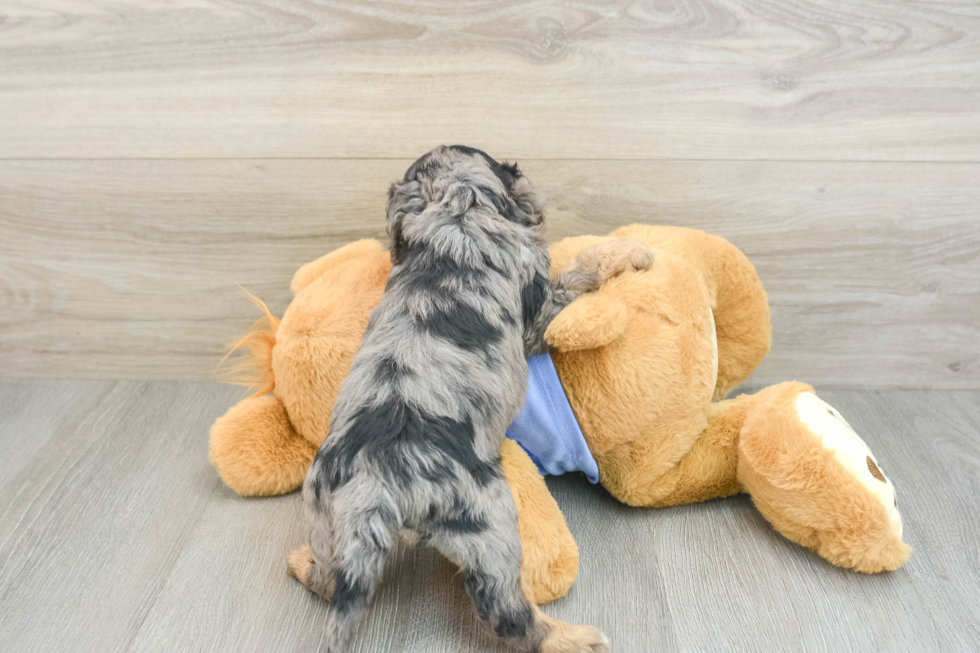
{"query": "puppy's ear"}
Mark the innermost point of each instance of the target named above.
(528, 205)
(404, 200)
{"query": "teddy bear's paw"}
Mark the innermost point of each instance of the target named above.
(565, 638)
(612, 258)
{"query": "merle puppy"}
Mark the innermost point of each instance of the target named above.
(416, 430)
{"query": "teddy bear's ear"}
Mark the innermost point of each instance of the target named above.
(313, 270)
(587, 323)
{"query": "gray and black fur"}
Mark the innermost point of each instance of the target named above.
(416, 430)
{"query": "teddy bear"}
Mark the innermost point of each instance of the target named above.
(633, 394)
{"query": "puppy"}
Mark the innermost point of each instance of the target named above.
(416, 430)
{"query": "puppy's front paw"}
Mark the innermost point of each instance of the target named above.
(612, 258)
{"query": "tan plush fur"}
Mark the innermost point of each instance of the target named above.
(549, 562)
(639, 366)
(805, 492)
(256, 451)
(264, 445)
(636, 360)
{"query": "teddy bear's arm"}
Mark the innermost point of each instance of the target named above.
(544, 300)
(256, 451)
(590, 322)
(585, 273)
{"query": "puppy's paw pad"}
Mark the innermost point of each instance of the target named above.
(300, 563)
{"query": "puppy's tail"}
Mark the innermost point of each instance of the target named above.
(254, 369)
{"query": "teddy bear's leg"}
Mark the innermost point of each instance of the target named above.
(549, 555)
(817, 482)
(655, 478)
(256, 451)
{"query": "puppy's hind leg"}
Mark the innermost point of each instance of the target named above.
(482, 537)
(316, 572)
(300, 564)
(318, 579)
(349, 544)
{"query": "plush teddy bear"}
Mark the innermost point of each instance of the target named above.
(632, 394)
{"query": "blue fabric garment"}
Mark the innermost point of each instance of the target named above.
(547, 429)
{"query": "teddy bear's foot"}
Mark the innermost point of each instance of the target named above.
(562, 570)
(256, 451)
(817, 482)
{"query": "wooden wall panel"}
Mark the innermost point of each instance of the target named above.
(638, 79)
(153, 155)
(129, 268)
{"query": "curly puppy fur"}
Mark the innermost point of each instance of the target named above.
(416, 430)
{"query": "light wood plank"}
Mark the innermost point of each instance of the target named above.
(91, 527)
(229, 592)
(32, 413)
(706, 79)
(129, 268)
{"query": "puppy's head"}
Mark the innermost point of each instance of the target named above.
(454, 175)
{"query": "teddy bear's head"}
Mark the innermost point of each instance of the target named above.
(321, 331)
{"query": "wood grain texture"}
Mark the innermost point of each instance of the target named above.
(114, 269)
(92, 524)
(34, 412)
(705, 79)
(116, 535)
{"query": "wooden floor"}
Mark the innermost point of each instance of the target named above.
(116, 535)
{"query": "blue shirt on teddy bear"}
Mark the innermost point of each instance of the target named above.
(546, 427)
